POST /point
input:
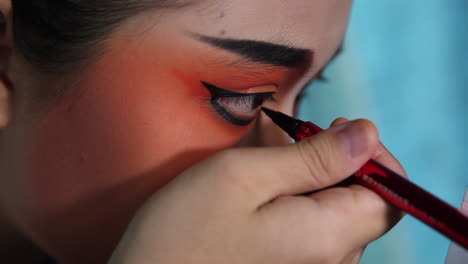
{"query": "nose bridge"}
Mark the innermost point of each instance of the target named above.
(265, 134)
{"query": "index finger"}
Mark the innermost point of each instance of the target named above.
(263, 174)
(381, 155)
(370, 214)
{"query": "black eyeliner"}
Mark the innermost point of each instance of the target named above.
(216, 93)
(219, 92)
(228, 116)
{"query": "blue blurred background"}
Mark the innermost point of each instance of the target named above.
(405, 66)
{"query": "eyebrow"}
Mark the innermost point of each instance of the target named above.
(262, 52)
(337, 53)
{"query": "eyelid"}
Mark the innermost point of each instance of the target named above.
(266, 88)
(269, 88)
(237, 108)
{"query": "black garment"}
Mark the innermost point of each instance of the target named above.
(48, 260)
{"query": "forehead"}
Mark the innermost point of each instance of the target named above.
(317, 25)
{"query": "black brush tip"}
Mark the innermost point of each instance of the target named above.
(289, 124)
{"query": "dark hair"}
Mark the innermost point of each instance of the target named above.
(55, 34)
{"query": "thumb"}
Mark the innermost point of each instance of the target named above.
(314, 163)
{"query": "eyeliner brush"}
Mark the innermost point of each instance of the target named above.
(392, 187)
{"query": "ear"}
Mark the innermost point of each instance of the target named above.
(6, 47)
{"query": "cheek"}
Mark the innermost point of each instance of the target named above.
(121, 128)
(100, 154)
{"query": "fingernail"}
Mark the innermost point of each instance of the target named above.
(354, 139)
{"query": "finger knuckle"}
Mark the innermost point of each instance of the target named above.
(315, 159)
(370, 129)
(371, 202)
(327, 254)
(376, 208)
(338, 121)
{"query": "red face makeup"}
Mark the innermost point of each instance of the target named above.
(168, 91)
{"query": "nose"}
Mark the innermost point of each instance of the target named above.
(265, 133)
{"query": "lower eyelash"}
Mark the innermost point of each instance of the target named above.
(228, 116)
(241, 103)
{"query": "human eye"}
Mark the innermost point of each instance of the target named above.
(237, 108)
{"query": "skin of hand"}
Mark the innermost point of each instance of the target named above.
(242, 205)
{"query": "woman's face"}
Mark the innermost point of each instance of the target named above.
(158, 100)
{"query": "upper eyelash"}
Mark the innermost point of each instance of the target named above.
(255, 100)
(225, 93)
(217, 93)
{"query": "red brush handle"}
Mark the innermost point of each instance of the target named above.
(407, 196)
